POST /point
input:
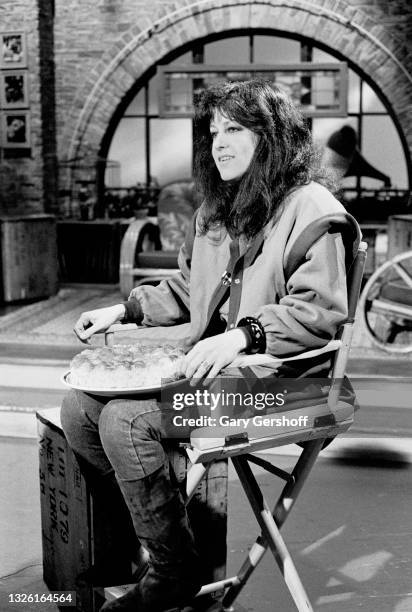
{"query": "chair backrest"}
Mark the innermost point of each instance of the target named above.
(342, 223)
(354, 279)
(345, 333)
(355, 257)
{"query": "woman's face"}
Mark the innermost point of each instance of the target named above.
(233, 146)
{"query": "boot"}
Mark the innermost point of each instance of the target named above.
(154, 593)
(161, 524)
(206, 603)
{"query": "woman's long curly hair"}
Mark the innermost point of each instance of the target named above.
(283, 159)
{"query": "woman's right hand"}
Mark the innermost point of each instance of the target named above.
(97, 320)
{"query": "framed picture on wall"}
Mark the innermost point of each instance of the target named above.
(13, 89)
(15, 129)
(13, 50)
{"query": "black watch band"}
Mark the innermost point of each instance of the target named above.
(254, 329)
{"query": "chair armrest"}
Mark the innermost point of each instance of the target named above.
(120, 327)
(117, 327)
(172, 334)
(242, 360)
(264, 359)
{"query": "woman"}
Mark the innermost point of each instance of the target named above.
(254, 167)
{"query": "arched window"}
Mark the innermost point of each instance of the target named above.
(147, 144)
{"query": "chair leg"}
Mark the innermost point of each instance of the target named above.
(194, 476)
(254, 557)
(272, 534)
(298, 478)
(283, 506)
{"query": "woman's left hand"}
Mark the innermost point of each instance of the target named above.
(209, 356)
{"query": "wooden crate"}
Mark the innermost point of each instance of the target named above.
(399, 234)
(28, 257)
(65, 514)
(80, 551)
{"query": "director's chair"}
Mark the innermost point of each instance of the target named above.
(325, 421)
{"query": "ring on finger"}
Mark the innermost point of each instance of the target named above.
(205, 365)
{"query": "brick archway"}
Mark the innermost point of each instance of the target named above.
(346, 29)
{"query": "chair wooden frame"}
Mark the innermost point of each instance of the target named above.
(133, 243)
(202, 451)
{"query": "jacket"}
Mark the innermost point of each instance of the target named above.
(298, 312)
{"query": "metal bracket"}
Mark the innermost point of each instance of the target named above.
(238, 440)
(185, 445)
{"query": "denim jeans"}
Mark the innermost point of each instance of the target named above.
(123, 438)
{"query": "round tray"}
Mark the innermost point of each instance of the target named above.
(122, 391)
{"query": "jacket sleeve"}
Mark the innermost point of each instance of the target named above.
(167, 303)
(315, 304)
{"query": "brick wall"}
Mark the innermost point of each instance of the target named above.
(128, 37)
(102, 47)
(21, 186)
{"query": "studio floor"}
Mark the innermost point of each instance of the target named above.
(350, 533)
